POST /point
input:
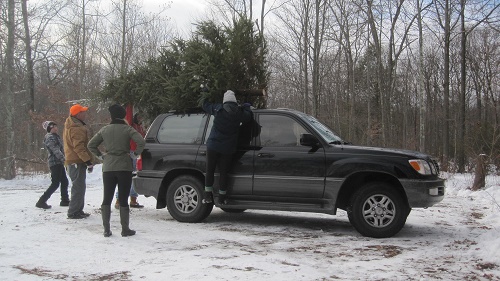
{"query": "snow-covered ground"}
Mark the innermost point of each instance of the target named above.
(458, 239)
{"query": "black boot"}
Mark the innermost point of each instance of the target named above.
(42, 203)
(207, 197)
(222, 197)
(124, 219)
(106, 216)
(64, 203)
(64, 196)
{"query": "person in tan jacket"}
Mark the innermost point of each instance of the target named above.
(78, 158)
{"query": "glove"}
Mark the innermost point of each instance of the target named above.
(204, 96)
(247, 104)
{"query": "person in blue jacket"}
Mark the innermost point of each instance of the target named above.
(222, 141)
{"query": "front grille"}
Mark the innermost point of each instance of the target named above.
(436, 165)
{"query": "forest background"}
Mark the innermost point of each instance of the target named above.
(420, 74)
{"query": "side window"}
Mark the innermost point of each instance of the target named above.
(182, 129)
(279, 130)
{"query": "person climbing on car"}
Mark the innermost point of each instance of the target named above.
(222, 141)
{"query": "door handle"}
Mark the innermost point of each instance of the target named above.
(265, 155)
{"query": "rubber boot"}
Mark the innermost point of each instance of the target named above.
(124, 219)
(207, 195)
(106, 216)
(222, 197)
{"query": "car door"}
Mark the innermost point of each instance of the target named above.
(241, 173)
(176, 142)
(282, 167)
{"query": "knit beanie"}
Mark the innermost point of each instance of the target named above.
(229, 96)
(48, 125)
(117, 111)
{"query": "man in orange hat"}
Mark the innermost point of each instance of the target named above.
(78, 158)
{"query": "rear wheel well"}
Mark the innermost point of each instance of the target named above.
(168, 178)
(355, 181)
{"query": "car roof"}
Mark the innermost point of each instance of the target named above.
(262, 110)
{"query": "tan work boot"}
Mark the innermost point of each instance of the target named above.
(117, 204)
(134, 203)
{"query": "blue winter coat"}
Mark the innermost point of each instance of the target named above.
(228, 116)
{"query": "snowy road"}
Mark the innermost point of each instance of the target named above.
(456, 240)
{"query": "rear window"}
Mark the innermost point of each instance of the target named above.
(182, 129)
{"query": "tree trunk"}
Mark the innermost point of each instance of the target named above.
(379, 90)
(8, 163)
(420, 82)
(262, 15)
(316, 62)
(306, 55)
(480, 173)
(124, 37)
(446, 87)
(84, 51)
(30, 78)
(461, 102)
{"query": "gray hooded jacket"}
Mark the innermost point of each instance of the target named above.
(55, 148)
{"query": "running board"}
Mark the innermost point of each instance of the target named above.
(277, 206)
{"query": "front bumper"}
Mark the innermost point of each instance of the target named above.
(423, 193)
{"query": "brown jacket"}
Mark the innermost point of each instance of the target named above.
(76, 137)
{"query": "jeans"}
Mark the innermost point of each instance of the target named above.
(58, 176)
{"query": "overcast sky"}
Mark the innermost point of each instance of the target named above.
(182, 12)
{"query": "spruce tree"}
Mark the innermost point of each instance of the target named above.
(212, 61)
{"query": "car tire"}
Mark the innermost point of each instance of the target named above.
(378, 210)
(184, 200)
(234, 211)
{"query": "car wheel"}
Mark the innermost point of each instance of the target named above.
(184, 197)
(377, 210)
(234, 211)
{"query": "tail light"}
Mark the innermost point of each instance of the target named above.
(139, 163)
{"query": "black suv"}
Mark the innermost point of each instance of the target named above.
(288, 161)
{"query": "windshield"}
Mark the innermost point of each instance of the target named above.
(326, 133)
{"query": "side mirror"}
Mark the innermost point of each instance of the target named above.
(308, 140)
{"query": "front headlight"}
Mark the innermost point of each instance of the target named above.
(421, 166)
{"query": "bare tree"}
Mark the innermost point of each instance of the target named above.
(8, 162)
(130, 37)
(30, 77)
(444, 15)
(482, 14)
(420, 83)
(293, 42)
(351, 25)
